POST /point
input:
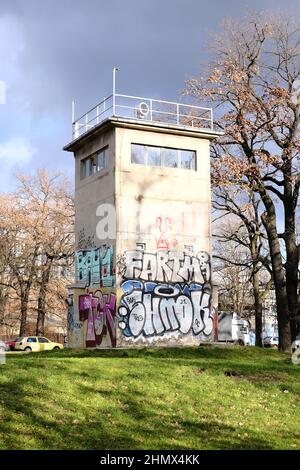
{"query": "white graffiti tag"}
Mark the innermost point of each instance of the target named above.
(165, 266)
(155, 310)
(165, 292)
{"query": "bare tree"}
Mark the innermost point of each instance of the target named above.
(232, 273)
(19, 236)
(36, 230)
(240, 245)
(251, 83)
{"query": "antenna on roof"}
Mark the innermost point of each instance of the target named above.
(114, 70)
(73, 111)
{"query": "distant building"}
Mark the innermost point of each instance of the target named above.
(270, 325)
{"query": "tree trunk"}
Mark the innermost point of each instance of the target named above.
(291, 270)
(283, 318)
(40, 324)
(291, 266)
(258, 311)
(25, 287)
(3, 301)
(24, 306)
(254, 249)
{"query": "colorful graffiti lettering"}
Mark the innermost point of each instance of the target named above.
(98, 310)
(165, 292)
(72, 323)
(96, 267)
(75, 327)
(153, 309)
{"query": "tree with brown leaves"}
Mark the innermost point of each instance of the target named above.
(240, 243)
(251, 83)
(36, 233)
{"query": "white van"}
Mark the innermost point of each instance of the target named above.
(232, 328)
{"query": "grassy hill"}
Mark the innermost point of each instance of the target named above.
(191, 398)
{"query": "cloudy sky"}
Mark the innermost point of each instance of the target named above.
(52, 51)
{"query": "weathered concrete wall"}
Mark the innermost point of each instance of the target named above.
(163, 245)
(93, 191)
(92, 301)
(151, 284)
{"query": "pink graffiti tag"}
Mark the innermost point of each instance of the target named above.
(107, 307)
(99, 312)
(164, 226)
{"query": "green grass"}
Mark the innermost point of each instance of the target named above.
(191, 398)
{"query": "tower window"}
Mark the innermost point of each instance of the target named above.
(163, 157)
(187, 159)
(153, 156)
(138, 154)
(94, 163)
(170, 158)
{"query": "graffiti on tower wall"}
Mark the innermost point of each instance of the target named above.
(92, 306)
(97, 310)
(72, 323)
(165, 238)
(96, 267)
(91, 318)
(165, 293)
(84, 241)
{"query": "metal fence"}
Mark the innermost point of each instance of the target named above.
(143, 109)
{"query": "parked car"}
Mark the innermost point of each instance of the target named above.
(11, 343)
(3, 347)
(36, 344)
(271, 342)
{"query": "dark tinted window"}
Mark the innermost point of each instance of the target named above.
(94, 163)
(43, 340)
(31, 340)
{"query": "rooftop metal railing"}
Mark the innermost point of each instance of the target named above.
(143, 109)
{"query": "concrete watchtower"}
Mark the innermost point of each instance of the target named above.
(143, 236)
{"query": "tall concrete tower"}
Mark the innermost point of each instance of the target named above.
(143, 235)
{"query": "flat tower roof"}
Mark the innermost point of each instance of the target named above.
(143, 113)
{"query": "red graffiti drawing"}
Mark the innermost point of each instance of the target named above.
(164, 226)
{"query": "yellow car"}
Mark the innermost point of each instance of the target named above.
(37, 344)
